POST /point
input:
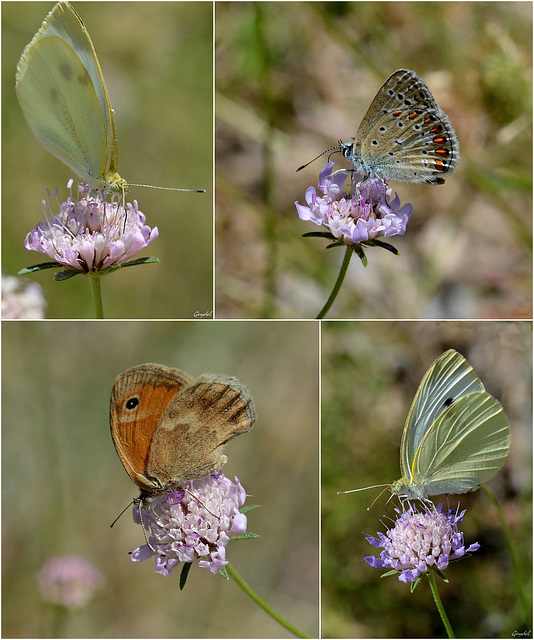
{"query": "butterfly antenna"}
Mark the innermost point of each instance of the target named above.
(151, 186)
(321, 154)
(373, 486)
(201, 503)
(120, 514)
(336, 150)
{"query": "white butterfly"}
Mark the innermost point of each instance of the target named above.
(456, 435)
(64, 99)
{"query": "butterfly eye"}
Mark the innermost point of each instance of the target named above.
(448, 402)
(131, 403)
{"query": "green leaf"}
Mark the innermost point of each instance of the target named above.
(245, 536)
(40, 267)
(248, 507)
(185, 572)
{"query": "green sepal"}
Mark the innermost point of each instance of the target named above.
(245, 536)
(70, 273)
(415, 584)
(358, 250)
(132, 263)
(40, 267)
(65, 275)
(224, 573)
(383, 245)
(248, 507)
(319, 234)
(335, 244)
(441, 574)
(183, 575)
(389, 573)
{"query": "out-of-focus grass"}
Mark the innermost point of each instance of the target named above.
(63, 483)
(156, 58)
(370, 373)
(293, 78)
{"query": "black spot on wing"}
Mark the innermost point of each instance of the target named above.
(66, 70)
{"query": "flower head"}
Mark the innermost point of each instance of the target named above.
(366, 214)
(90, 234)
(70, 581)
(419, 541)
(182, 529)
(21, 299)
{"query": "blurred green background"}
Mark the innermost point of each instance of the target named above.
(294, 77)
(157, 60)
(63, 483)
(370, 373)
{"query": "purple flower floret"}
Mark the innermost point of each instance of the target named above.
(181, 529)
(419, 541)
(90, 234)
(366, 214)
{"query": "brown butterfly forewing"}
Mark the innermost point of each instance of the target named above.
(169, 428)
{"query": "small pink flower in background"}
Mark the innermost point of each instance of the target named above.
(90, 234)
(368, 213)
(70, 581)
(182, 530)
(419, 541)
(21, 299)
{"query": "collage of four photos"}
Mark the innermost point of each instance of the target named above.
(314, 220)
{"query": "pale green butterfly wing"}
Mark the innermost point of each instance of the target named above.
(63, 96)
(464, 447)
(449, 378)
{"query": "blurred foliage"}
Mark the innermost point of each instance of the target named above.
(157, 60)
(292, 78)
(370, 373)
(63, 483)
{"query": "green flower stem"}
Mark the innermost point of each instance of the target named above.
(59, 616)
(514, 555)
(268, 186)
(339, 282)
(232, 572)
(434, 588)
(94, 279)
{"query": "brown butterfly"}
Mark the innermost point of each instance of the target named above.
(169, 428)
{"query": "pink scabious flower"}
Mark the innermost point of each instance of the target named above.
(90, 234)
(22, 299)
(419, 541)
(181, 528)
(70, 581)
(366, 214)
